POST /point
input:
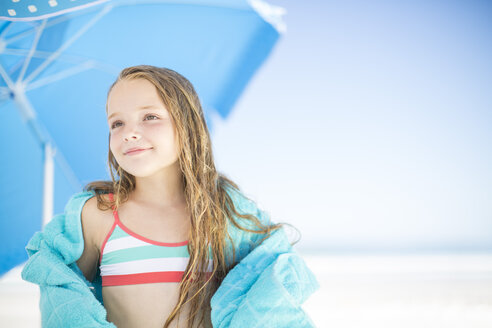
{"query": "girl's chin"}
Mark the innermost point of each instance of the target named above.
(145, 168)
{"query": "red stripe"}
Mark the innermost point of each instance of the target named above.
(142, 278)
(145, 278)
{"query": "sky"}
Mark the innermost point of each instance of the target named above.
(369, 127)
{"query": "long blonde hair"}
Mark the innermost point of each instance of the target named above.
(204, 188)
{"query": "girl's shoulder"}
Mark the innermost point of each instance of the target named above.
(83, 215)
(98, 221)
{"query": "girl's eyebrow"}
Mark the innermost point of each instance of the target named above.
(143, 107)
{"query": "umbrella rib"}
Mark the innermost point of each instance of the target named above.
(39, 30)
(45, 54)
(89, 63)
(4, 92)
(6, 77)
(19, 36)
(57, 53)
(7, 27)
(61, 75)
(51, 22)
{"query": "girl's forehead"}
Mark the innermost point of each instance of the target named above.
(133, 94)
(133, 88)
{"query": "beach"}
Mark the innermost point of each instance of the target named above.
(413, 290)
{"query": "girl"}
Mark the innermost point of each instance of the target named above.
(157, 230)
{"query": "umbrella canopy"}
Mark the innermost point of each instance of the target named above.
(57, 61)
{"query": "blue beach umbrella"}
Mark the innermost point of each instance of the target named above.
(57, 61)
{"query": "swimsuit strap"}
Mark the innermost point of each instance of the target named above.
(111, 199)
(115, 211)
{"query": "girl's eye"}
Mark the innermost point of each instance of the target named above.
(150, 115)
(146, 116)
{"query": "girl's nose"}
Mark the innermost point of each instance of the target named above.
(132, 134)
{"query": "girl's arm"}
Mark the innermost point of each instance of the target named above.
(90, 223)
(66, 299)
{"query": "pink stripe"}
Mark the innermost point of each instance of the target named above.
(108, 235)
(105, 241)
(128, 231)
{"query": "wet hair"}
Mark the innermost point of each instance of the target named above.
(205, 190)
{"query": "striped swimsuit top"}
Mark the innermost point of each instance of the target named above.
(127, 258)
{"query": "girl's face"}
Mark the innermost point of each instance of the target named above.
(137, 118)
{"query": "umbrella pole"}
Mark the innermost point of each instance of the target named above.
(48, 183)
(29, 116)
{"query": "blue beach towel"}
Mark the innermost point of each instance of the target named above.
(265, 289)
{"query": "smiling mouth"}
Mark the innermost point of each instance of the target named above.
(138, 151)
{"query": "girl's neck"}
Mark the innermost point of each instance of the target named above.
(160, 190)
